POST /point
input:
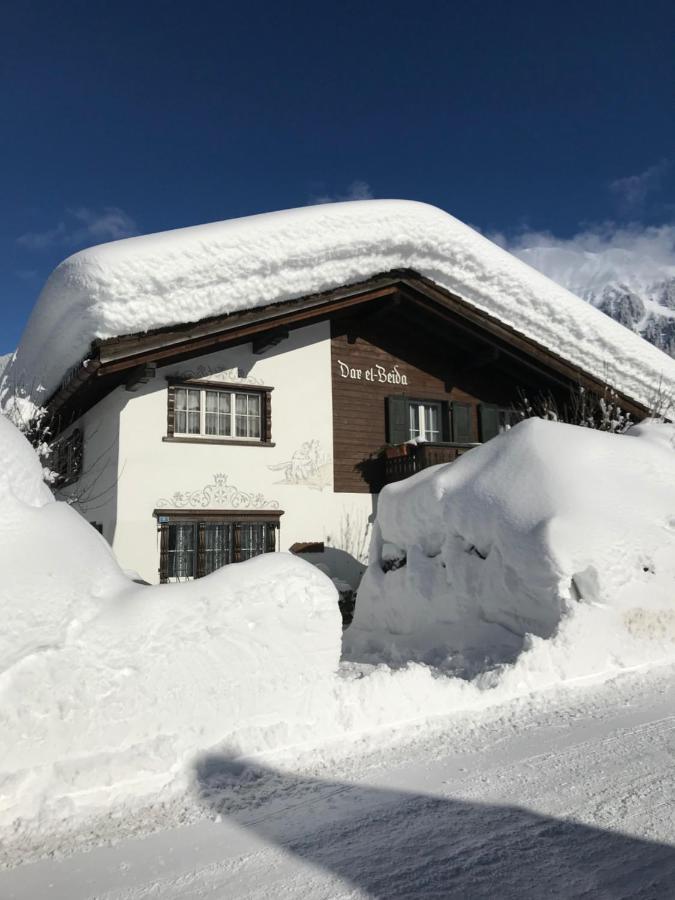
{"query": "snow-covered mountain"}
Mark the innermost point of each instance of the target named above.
(633, 283)
(4, 361)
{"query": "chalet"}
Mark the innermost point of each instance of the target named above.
(244, 387)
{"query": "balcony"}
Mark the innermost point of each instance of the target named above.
(404, 460)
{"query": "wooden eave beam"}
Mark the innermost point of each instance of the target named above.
(140, 375)
(266, 341)
(510, 339)
(110, 357)
(117, 354)
(353, 326)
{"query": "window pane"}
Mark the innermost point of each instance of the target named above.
(194, 398)
(431, 429)
(218, 546)
(212, 401)
(254, 415)
(247, 415)
(193, 422)
(181, 551)
(224, 414)
(211, 412)
(414, 420)
(187, 405)
(252, 540)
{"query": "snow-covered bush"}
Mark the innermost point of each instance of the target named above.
(32, 420)
(507, 540)
(602, 412)
(108, 687)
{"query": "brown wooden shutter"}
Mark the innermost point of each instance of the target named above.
(163, 529)
(267, 413)
(271, 537)
(170, 410)
(201, 545)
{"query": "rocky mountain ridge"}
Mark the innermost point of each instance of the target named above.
(636, 291)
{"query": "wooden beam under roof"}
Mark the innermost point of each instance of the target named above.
(111, 357)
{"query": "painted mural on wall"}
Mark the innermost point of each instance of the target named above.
(217, 495)
(310, 466)
(233, 375)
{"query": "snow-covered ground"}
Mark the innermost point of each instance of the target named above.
(501, 720)
(566, 794)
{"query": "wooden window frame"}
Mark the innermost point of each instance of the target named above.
(67, 459)
(425, 404)
(197, 518)
(495, 420)
(398, 409)
(263, 391)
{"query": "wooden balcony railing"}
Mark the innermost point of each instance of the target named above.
(406, 459)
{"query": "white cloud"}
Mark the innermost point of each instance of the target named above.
(82, 226)
(635, 255)
(633, 190)
(357, 190)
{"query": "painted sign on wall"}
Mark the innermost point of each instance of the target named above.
(374, 373)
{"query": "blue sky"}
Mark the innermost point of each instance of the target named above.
(121, 118)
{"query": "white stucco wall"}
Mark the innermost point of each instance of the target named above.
(94, 495)
(295, 475)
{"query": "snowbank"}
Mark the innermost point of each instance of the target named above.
(470, 558)
(107, 688)
(550, 546)
(185, 275)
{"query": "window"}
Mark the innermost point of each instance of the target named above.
(66, 458)
(193, 544)
(496, 419)
(424, 420)
(217, 413)
(434, 421)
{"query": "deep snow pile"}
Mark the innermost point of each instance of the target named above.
(108, 688)
(469, 558)
(185, 275)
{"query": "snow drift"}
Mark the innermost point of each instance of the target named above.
(470, 558)
(107, 688)
(551, 546)
(185, 275)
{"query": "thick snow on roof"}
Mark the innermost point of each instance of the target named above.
(191, 273)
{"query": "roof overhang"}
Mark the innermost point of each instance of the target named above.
(112, 361)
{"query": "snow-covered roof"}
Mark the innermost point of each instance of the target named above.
(189, 274)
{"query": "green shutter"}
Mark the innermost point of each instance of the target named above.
(398, 429)
(489, 421)
(462, 425)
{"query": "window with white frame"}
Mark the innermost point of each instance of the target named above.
(210, 412)
(424, 420)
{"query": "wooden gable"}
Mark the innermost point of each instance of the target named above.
(440, 325)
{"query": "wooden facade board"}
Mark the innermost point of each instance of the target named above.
(365, 367)
(446, 321)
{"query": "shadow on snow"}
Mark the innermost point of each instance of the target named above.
(389, 843)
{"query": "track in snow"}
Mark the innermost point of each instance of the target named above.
(570, 797)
